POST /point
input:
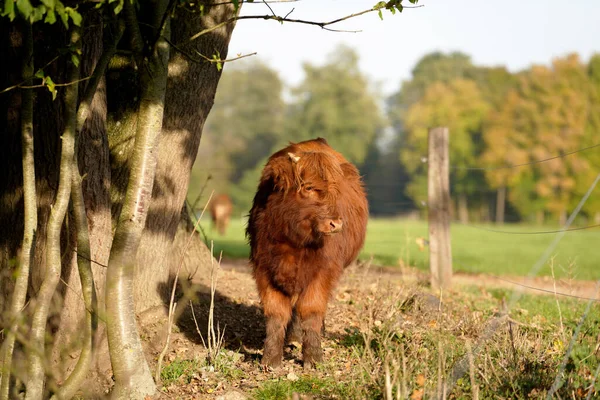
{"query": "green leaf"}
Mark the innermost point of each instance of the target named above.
(380, 14)
(75, 59)
(414, 1)
(25, 8)
(9, 10)
(38, 13)
(379, 5)
(51, 4)
(51, 86)
(75, 16)
(60, 10)
(50, 17)
(119, 7)
(39, 74)
(236, 4)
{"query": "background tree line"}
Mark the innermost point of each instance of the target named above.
(498, 120)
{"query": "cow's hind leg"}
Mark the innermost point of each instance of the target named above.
(278, 311)
(294, 329)
(311, 308)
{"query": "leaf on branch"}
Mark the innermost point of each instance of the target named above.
(9, 10)
(51, 4)
(75, 16)
(50, 17)
(38, 13)
(217, 60)
(25, 8)
(51, 86)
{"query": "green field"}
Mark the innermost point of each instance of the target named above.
(475, 249)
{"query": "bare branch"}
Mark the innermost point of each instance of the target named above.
(28, 78)
(205, 58)
(277, 18)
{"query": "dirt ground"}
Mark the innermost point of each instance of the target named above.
(237, 311)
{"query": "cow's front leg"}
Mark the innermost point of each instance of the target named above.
(278, 311)
(311, 308)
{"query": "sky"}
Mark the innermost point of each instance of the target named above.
(516, 34)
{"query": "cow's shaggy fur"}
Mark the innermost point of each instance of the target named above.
(307, 222)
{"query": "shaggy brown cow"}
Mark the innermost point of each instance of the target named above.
(307, 222)
(220, 211)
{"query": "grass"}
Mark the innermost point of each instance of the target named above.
(323, 388)
(179, 369)
(413, 352)
(474, 250)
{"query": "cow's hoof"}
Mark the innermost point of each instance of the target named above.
(309, 365)
(310, 360)
(271, 362)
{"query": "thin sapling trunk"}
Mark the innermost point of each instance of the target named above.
(36, 356)
(30, 212)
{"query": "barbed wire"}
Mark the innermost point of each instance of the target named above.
(545, 290)
(528, 233)
(524, 164)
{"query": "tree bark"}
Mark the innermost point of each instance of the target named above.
(190, 96)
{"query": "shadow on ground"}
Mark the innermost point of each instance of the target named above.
(243, 325)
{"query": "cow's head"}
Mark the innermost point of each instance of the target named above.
(306, 189)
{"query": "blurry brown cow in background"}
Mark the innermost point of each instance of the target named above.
(307, 222)
(220, 210)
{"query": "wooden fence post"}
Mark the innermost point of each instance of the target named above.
(440, 252)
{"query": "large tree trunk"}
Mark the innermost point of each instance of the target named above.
(190, 96)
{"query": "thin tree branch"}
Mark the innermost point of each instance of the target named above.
(28, 78)
(277, 18)
(205, 58)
